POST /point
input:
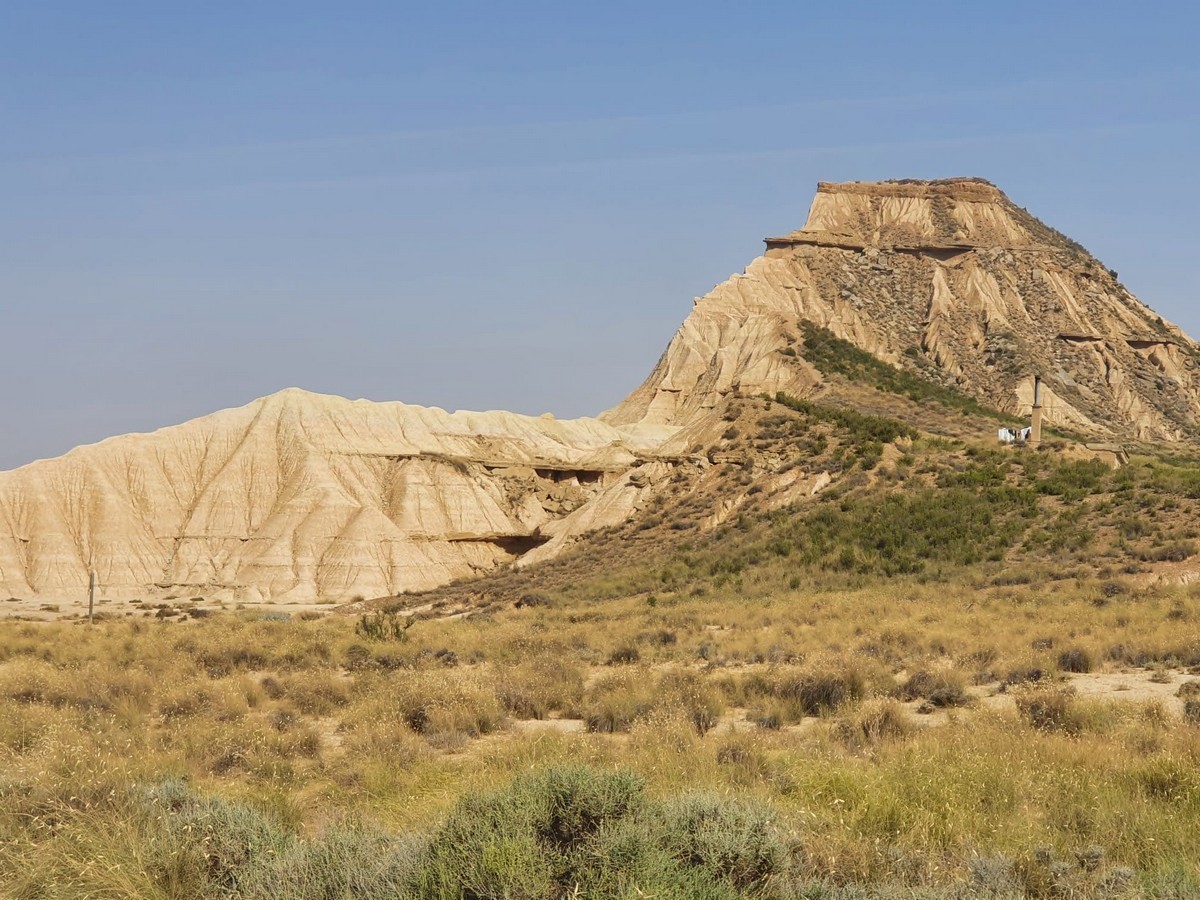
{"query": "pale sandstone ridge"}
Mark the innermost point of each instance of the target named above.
(952, 280)
(301, 496)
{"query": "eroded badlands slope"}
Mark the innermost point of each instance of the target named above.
(948, 279)
(303, 497)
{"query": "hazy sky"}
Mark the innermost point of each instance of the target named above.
(512, 205)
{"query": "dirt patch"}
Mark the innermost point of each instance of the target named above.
(1134, 687)
(556, 726)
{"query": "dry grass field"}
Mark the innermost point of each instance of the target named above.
(951, 672)
(922, 740)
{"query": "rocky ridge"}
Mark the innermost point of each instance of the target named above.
(301, 497)
(948, 279)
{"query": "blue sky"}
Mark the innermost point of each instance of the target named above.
(479, 206)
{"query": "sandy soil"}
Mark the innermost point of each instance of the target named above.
(1134, 686)
(108, 608)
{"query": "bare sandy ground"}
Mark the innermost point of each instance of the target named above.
(129, 608)
(1134, 686)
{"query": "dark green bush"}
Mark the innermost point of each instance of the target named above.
(383, 625)
(862, 428)
(833, 356)
(206, 846)
(1074, 480)
(574, 832)
(900, 533)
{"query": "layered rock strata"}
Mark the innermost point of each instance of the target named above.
(304, 497)
(954, 281)
(299, 497)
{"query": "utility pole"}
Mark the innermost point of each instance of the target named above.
(91, 596)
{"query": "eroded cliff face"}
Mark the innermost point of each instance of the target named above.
(950, 279)
(304, 497)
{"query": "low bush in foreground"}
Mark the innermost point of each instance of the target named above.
(571, 832)
(563, 832)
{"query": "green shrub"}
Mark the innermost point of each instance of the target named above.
(1075, 479)
(833, 356)
(902, 533)
(574, 832)
(340, 862)
(729, 842)
(234, 850)
(862, 428)
(525, 840)
(223, 840)
(383, 625)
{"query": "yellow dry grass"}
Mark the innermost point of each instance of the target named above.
(310, 722)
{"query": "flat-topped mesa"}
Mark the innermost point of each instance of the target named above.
(967, 188)
(953, 214)
(953, 282)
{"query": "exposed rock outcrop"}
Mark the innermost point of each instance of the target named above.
(949, 279)
(301, 496)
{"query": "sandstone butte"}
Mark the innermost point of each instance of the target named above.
(300, 497)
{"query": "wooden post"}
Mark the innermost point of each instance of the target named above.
(91, 596)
